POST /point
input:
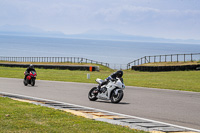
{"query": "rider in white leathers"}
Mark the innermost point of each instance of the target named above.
(113, 76)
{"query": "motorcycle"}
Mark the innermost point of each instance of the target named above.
(112, 91)
(30, 78)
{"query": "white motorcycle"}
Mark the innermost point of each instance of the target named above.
(112, 91)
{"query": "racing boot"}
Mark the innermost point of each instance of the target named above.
(98, 90)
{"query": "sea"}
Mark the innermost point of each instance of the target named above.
(116, 53)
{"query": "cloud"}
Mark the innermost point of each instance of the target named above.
(145, 17)
(140, 13)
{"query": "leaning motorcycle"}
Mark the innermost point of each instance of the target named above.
(112, 91)
(30, 78)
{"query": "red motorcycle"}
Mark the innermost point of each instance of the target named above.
(30, 78)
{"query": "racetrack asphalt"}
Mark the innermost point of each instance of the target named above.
(175, 107)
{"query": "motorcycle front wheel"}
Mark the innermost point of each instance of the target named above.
(91, 95)
(32, 82)
(117, 98)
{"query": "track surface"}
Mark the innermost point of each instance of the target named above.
(174, 107)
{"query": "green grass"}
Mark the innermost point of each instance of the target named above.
(176, 80)
(23, 117)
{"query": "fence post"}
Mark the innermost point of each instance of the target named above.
(171, 57)
(160, 57)
(191, 57)
(177, 57)
(149, 59)
(184, 57)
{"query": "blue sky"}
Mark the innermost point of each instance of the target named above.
(173, 19)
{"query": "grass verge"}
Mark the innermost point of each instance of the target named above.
(25, 117)
(175, 80)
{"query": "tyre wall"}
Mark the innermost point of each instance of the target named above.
(166, 68)
(62, 67)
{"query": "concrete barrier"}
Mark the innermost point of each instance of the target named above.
(62, 67)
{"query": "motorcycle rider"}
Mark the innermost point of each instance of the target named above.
(113, 76)
(29, 68)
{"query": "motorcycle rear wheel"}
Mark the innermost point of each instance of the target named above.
(25, 82)
(91, 95)
(117, 98)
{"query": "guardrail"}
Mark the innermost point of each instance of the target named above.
(165, 58)
(52, 59)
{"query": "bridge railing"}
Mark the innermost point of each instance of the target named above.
(52, 59)
(165, 58)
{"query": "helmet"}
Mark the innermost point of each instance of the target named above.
(119, 74)
(31, 66)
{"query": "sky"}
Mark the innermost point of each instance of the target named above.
(171, 19)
